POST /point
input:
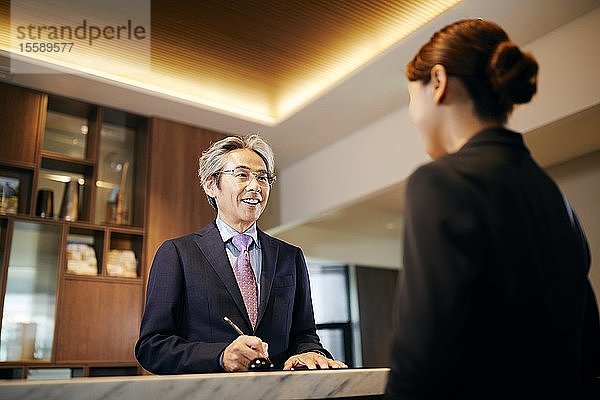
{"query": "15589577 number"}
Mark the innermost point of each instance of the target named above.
(46, 47)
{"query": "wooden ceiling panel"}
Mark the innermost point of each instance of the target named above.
(274, 44)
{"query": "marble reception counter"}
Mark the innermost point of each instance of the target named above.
(244, 386)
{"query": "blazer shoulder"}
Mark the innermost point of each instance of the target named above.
(205, 233)
(180, 239)
(439, 182)
(433, 173)
(460, 167)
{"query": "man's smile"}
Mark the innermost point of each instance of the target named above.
(251, 201)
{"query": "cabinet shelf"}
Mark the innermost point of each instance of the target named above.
(11, 164)
(61, 162)
(126, 229)
(38, 370)
(104, 279)
(134, 230)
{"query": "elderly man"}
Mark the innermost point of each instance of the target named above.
(230, 269)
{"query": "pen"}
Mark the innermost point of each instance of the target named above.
(240, 332)
(233, 325)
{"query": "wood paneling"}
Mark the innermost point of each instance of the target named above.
(176, 204)
(376, 289)
(21, 120)
(99, 321)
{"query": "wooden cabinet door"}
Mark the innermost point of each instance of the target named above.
(99, 321)
(22, 113)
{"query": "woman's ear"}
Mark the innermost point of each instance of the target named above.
(439, 81)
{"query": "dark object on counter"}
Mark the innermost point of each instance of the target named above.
(261, 364)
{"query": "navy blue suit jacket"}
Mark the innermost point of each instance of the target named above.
(494, 301)
(191, 288)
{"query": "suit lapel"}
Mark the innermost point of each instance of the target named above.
(211, 244)
(268, 270)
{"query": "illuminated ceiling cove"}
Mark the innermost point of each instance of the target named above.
(258, 60)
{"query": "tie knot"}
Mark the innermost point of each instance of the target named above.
(241, 241)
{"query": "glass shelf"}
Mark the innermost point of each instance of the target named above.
(65, 134)
(30, 300)
(115, 174)
(68, 127)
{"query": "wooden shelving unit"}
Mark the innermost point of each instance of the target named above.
(95, 318)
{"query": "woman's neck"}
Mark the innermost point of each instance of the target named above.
(459, 134)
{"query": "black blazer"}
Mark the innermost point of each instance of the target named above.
(191, 288)
(494, 301)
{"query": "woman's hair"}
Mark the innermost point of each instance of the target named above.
(212, 160)
(494, 71)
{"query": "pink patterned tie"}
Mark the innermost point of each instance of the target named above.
(245, 276)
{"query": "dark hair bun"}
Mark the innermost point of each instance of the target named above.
(513, 74)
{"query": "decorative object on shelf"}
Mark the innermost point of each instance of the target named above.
(111, 206)
(69, 208)
(121, 214)
(121, 263)
(20, 338)
(115, 171)
(45, 203)
(81, 259)
(116, 205)
(9, 195)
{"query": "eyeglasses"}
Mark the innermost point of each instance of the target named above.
(244, 175)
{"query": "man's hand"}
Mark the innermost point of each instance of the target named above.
(311, 360)
(239, 353)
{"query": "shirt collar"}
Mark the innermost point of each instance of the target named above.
(228, 232)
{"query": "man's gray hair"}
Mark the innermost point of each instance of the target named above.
(212, 160)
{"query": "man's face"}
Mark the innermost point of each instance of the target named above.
(239, 204)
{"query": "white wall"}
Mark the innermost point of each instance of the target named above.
(387, 151)
(367, 161)
(346, 247)
(568, 76)
(580, 181)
